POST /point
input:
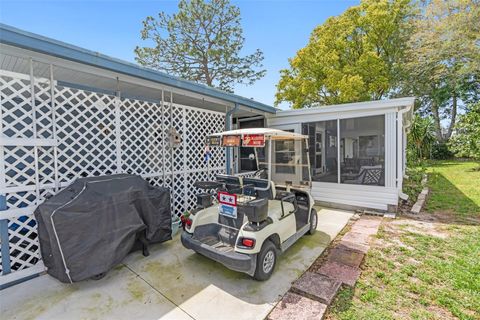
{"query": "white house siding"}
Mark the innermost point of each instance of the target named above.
(355, 195)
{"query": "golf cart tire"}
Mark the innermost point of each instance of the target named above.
(260, 274)
(313, 217)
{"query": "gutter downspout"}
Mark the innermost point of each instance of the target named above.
(228, 126)
(400, 149)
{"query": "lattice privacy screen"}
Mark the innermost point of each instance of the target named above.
(84, 134)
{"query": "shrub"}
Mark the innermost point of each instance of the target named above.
(412, 185)
(441, 151)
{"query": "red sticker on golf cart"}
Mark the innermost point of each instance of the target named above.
(253, 140)
(227, 198)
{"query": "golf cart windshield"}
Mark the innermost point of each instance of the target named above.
(286, 163)
(283, 155)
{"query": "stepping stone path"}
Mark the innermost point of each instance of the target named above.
(294, 306)
(313, 292)
(317, 286)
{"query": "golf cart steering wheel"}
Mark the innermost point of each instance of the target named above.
(261, 173)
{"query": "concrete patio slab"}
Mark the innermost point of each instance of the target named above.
(120, 295)
(294, 306)
(317, 286)
(172, 282)
(197, 282)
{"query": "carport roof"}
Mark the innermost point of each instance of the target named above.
(30, 41)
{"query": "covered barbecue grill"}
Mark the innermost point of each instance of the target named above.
(90, 226)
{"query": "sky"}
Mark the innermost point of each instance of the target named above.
(277, 27)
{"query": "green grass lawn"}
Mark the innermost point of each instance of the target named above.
(455, 187)
(425, 266)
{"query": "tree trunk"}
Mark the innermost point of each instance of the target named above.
(453, 116)
(436, 118)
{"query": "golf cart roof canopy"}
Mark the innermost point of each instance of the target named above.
(270, 134)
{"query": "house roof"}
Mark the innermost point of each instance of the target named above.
(30, 41)
(406, 102)
(403, 106)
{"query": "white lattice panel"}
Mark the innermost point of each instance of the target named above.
(21, 199)
(43, 109)
(23, 240)
(202, 124)
(96, 134)
(142, 138)
(19, 166)
(16, 109)
(46, 165)
(178, 122)
(85, 125)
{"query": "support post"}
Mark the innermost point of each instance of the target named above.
(34, 124)
(172, 160)
(270, 159)
(399, 149)
(54, 128)
(5, 242)
(338, 151)
(228, 126)
(118, 131)
(162, 106)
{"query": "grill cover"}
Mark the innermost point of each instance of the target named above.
(90, 226)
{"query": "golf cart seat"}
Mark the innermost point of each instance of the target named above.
(264, 188)
(275, 209)
(233, 184)
(255, 210)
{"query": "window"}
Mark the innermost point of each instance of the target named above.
(359, 150)
(363, 158)
(322, 149)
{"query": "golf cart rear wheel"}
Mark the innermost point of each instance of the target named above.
(266, 261)
(313, 221)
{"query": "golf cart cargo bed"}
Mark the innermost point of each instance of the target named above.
(216, 243)
(212, 247)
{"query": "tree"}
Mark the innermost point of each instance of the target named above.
(443, 67)
(465, 141)
(421, 137)
(201, 43)
(356, 56)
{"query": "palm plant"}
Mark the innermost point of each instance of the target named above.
(421, 137)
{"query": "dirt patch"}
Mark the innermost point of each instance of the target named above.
(433, 229)
(444, 217)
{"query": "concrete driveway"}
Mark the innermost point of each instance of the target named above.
(172, 283)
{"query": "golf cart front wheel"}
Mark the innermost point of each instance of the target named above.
(313, 221)
(266, 261)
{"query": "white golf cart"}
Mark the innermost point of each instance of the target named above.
(244, 223)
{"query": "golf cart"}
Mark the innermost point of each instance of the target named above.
(245, 222)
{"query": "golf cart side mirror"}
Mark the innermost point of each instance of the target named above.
(251, 156)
